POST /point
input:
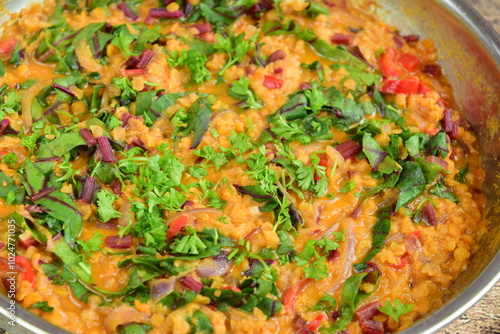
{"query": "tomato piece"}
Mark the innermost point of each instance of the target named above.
(272, 82)
(29, 273)
(6, 46)
(292, 294)
(233, 288)
(323, 161)
(133, 72)
(387, 63)
(176, 225)
(410, 62)
(408, 86)
(314, 325)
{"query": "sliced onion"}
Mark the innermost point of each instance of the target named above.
(214, 266)
(335, 155)
(429, 215)
(414, 248)
(275, 56)
(123, 315)
(26, 102)
(161, 288)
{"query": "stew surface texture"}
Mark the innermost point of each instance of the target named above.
(223, 166)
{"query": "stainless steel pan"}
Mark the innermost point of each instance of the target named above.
(469, 52)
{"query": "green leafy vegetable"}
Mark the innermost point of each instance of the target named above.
(240, 90)
(105, 208)
(43, 306)
(397, 310)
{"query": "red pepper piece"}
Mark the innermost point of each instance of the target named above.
(6, 46)
(410, 62)
(176, 225)
(272, 82)
(388, 65)
(29, 273)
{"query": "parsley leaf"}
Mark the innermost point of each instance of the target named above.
(105, 208)
(93, 244)
(235, 47)
(397, 310)
(194, 61)
(43, 306)
(200, 323)
(240, 89)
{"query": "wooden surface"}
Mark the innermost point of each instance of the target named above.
(482, 318)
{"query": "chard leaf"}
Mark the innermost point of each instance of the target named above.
(439, 145)
(198, 121)
(441, 191)
(60, 146)
(60, 206)
(9, 190)
(352, 296)
(380, 231)
(295, 108)
(199, 45)
(325, 49)
(411, 184)
(378, 158)
(73, 261)
(152, 107)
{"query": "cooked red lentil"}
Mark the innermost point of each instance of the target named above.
(230, 166)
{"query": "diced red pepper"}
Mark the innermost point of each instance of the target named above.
(272, 82)
(29, 273)
(314, 325)
(323, 161)
(403, 261)
(408, 86)
(176, 225)
(410, 62)
(133, 72)
(6, 46)
(292, 294)
(233, 288)
(388, 64)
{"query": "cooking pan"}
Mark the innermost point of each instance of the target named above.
(469, 53)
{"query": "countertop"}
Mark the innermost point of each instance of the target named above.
(483, 317)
